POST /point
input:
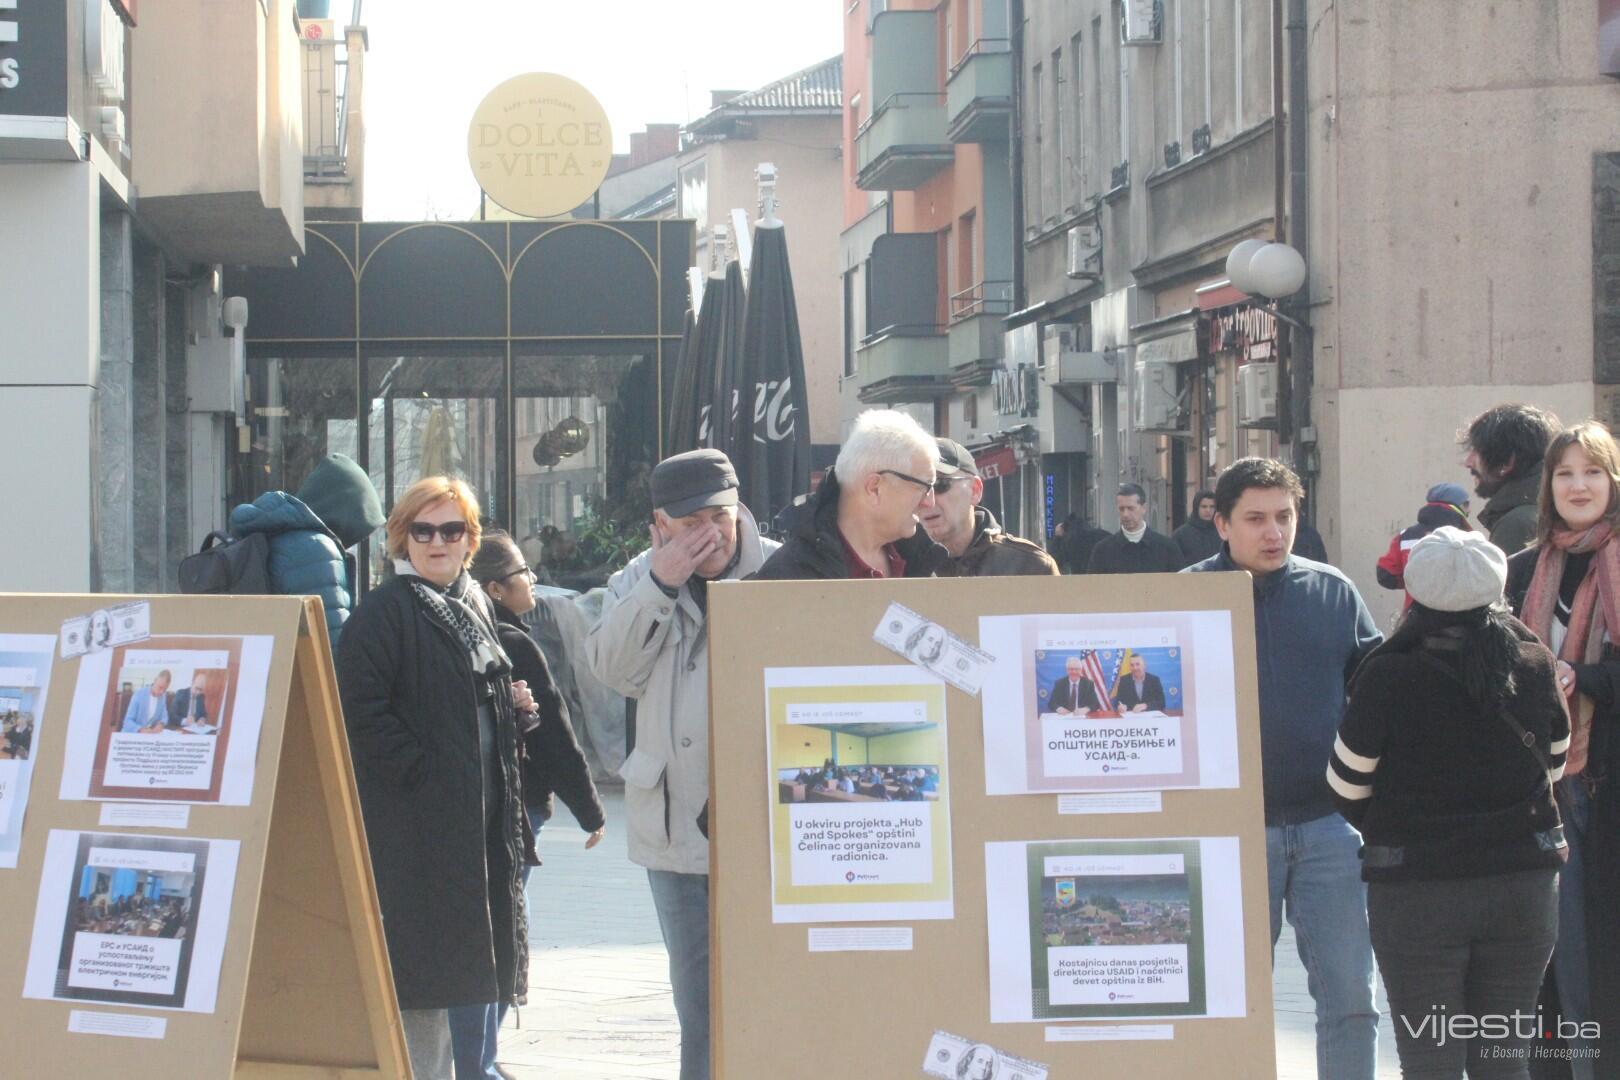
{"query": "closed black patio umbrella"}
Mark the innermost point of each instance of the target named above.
(680, 432)
(773, 450)
(724, 351)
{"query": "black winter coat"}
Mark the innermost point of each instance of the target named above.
(551, 758)
(450, 892)
(1197, 540)
(813, 549)
(1155, 553)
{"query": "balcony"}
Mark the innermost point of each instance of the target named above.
(978, 93)
(903, 143)
(977, 331)
(904, 355)
(903, 364)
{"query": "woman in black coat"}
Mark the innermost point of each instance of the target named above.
(432, 713)
(1452, 743)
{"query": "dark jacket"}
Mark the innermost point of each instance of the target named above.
(1073, 549)
(1197, 540)
(1308, 544)
(1152, 693)
(456, 929)
(335, 509)
(1440, 787)
(994, 553)
(1155, 553)
(1601, 683)
(1059, 697)
(1311, 632)
(552, 760)
(814, 549)
(1510, 515)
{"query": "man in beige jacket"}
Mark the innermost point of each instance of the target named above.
(651, 644)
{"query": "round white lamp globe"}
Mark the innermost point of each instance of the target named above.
(1237, 265)
(1276, 271)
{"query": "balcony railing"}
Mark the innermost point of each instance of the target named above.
(978, 92)
(902, 143)
(326, 104)
(983, 298)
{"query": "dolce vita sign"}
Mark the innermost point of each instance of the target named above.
(539, 144)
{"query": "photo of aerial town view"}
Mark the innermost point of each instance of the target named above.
(1154, 909)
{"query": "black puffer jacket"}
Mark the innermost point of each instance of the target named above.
(552, 759)
(813, 549)
(450, 891)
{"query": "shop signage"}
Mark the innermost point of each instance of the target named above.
(996, 463)
(33, 58)
(539, 144)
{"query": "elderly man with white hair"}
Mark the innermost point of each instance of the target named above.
(863, 520)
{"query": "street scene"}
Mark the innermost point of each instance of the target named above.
(500, 489)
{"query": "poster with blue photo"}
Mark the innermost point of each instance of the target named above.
(25, 677)
(1109, 680)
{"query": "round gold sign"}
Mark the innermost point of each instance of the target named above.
(539, 144)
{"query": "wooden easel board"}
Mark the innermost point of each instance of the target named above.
(304, 986)
(781, 1010)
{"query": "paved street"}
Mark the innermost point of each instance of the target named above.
(599, 993)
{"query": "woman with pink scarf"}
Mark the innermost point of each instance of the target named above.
(1566, 588)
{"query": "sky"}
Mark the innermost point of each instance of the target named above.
(647, 61)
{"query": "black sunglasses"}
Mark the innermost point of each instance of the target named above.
(940, 484)
(423, 532)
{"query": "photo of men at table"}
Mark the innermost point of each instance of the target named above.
(132, 903)
(1108, 682)
(16, 724)
(859, 763)
(148, 702)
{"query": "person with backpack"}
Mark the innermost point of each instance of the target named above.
(309, 534)
(1451, 745)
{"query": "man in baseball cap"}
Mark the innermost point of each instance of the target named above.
(650, 645)
(978, 546)
(1444, 505)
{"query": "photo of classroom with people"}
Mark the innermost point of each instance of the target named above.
(831, 763)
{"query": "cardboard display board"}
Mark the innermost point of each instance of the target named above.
(303, 984)
(872, 1006)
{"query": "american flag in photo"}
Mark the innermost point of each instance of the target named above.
(1093, 668)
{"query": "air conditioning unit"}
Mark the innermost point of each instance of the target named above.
(1142, 24)
(1156, 403)
(1082, 367)
(1257, 395)
(1085, 252)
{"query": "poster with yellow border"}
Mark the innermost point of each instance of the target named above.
(859, 794)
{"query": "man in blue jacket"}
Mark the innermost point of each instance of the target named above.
(310, 533)
(1311, 630)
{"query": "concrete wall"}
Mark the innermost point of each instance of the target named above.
(50, 239)
(1451, 247)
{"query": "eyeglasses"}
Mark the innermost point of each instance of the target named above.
(526, 572)
(423, 532)
(939, 485)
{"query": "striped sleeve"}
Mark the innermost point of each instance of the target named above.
(1558, 748)
(1357, 748)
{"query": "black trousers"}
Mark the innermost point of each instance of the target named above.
(1462, 961)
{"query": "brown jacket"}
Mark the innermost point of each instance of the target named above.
(994, 553)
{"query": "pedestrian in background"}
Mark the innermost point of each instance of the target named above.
(1567, 589)
(1312, 631)
(1452, 743)
(550, 760)
(978, 547)
(864, 519)
(310, 534)
(1075, 541)
(1198, 539)
(1444, 505)
(432, 714)
(1135, 548)
(651, 645)
(1503, 451)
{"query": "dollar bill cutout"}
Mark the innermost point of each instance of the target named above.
(953, 1057)
(932, 647)
(106, 628)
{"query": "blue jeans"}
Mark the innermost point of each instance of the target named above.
(682, 901)
(475, 1029)
(1570, 968)
(1315, 870)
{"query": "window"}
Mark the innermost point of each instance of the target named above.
(1037, 99)
(970, 412)
(695, 194)
(966, 265)
(1122, 92)
(1077, 142)
(849, 322)
(1060, 166)
(1094, 84)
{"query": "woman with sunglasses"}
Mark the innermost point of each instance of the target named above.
(433, 716)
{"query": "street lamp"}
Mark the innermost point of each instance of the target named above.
(1271, 270)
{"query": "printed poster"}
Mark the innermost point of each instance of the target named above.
(25, 676)
(132, 920)
(170, 719)
(1115, 929)
(1109, 702)
(859, 794)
